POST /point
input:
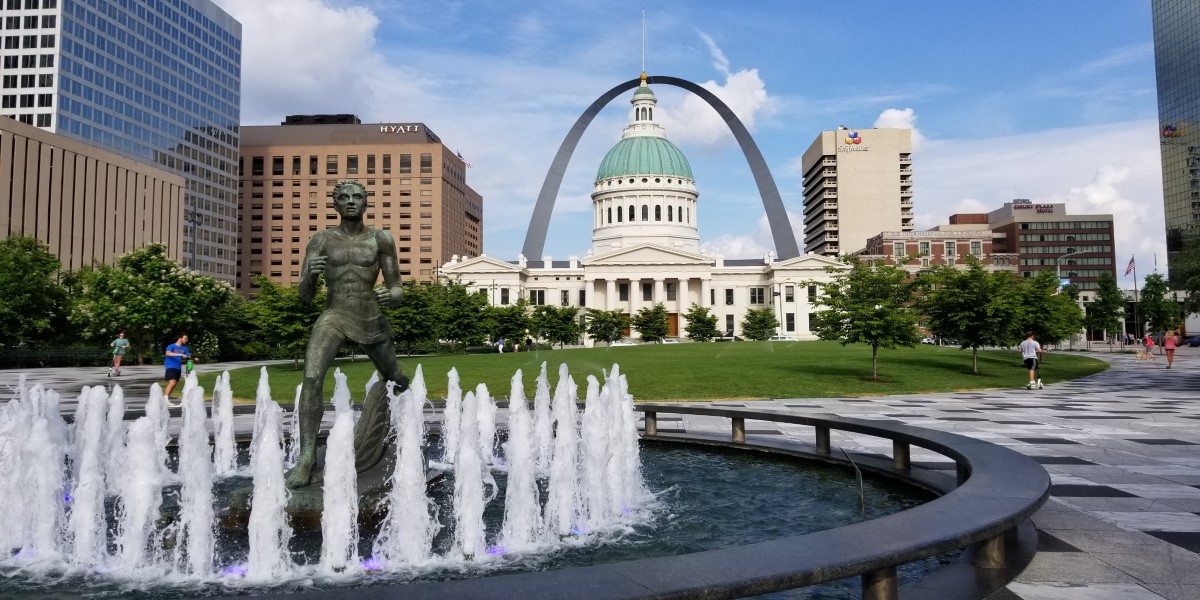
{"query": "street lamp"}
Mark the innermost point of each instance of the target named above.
(1058, 267)
(193, 219)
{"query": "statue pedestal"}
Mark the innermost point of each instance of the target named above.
(306, 504)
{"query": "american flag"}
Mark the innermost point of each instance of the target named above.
(460, 156)
(1130, 267)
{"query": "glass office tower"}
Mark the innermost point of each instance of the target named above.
(158, 81)
(1176, 56)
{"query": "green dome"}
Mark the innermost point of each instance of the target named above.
(643, 90)
(644, 156)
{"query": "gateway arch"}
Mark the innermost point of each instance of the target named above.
(781, 228)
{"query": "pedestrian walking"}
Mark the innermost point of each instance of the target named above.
(1169, 344)
(1031, 352)
(173, 362)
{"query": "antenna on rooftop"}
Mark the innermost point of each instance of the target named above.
(643, 39)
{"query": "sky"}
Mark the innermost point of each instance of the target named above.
(1050, 101)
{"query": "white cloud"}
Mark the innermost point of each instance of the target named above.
(753, 245)
(901, 118)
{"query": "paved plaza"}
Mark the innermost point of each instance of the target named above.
(1122, 448)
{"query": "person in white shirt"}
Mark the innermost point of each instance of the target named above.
(1031, 351)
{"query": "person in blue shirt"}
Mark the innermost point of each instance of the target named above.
(175, 355)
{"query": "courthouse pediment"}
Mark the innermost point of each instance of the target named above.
(648, 254)
(480, 264)
(808, 262)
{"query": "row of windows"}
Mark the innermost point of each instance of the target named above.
(951, 248)
(26, 101)
(1074, 260)
(28, 81)
(333, 165)
(29, 61)
(31, 22)
(1063, 249)
(16, 42)
(333, 182)
(683, 217)
(30, 4)
(1064, 237)
(1068, 225)
(38, 120)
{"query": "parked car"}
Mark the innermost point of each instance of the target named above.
(1193, 341)
(670, 340)
(781, 338)
(928, 340)
(623, 342)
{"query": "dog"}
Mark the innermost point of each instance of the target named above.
(1145, 355)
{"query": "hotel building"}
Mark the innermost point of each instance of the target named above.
(157, 82)
(857, 183)
(416, 186)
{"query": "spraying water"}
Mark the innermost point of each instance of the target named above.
(140, 486)
(411, 523)
(262, 397)
(339, 517)
(543, 423)
(562, 505)
(114, 436)
(469, 475)
(452, 418)
(225, 451)
(268, 530)
(487, 424)
(194, 554)
(293, 440)
(160, 417)
(522, 530)
(86, 522)
(594, 447)
(44, 454)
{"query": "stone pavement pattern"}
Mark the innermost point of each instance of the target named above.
(1122, 449)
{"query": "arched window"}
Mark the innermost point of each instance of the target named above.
(689, 214)
(670, 213)
(650, 114)
(657, 212)
(645, 212)
(619, 215)
(630, 213)
(609, 216)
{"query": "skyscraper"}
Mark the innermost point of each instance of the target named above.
(158, 81)
(1176, 54)
(857, 183)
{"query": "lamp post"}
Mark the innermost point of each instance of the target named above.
(1058, 267)
(193, 219)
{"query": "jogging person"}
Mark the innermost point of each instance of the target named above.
(174, 363)
(1031, 351)
(119, 346)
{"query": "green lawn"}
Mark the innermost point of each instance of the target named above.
(694, 371)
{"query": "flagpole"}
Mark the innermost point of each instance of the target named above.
(1136, 322)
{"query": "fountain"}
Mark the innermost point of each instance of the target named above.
(64, 479)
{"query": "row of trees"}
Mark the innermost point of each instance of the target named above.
(883, 307)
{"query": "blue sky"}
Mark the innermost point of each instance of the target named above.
(1052, 101)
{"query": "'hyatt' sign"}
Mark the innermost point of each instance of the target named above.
(399, 128)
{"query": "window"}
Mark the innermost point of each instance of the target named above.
(405, 164)
(277, 166)
(757, 295)
(949, 250)
(48, 40)
(46, 61)
(790, 321)
(630, 213)
(812, 294)
(312, 167)
(789, 293)
(43, 120)
(45, 100)
(256, 166)
(426, 163)
(657, 212)
(728, 324)
(582, 297)
(10, 62)
(49, 21)
(504, 296)
(924, 248)
(352, 164)
(977, 248)
(648, 292)
(537, 297)
(564, 297)
(387, 165)
(331, 164)
(46, 80)
(623, 292)
(671, 291)
(728, 295)
(898, 250)
(712, 297)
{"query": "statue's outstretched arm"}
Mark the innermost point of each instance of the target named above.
(390, 267)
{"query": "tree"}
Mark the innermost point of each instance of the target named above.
(1050, 313)
(284, 320)
(607, 325)
(147, 295)
(419, 317)
(33, 303)
(1106, 310)
(510, 322)
(557, 325)
(870, 305)
(651, 323)
(701, 323)
(465, 314)
(1156, 306)
(974, 306)
(759, 323)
